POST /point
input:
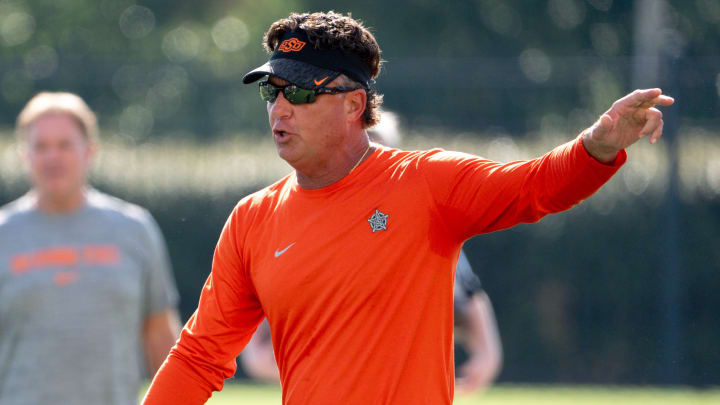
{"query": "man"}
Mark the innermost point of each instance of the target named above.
(85, 282)
(351, 256)
(476, 328)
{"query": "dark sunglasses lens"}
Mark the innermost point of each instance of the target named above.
(292, 93)
(296, 95)
(268, 92)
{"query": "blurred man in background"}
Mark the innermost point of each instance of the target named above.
(351, 256)
(476, 330)
(85, 282)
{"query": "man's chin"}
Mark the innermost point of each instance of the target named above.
(287, 153)
(57, 191)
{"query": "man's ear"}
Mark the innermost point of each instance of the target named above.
(93, 149)
(23, 150)
(355, 104)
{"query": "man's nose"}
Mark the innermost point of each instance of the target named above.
(280, 108)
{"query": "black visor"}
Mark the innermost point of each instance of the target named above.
(296, 61)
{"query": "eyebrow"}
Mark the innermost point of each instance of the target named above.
(277, 81)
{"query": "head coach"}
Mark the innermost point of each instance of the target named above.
(351, 257)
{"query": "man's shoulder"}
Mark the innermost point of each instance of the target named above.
(256, 207)
(16, 211)
(390, 153)
(400, 155)
(422, 158)
(268, 193)
(116, 210)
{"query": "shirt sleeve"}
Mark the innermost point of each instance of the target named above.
(475, 195)
(160, 290)
(227, 315)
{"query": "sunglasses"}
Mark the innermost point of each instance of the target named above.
(295, 94)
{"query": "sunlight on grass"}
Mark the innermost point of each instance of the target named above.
(504, 394)
(558, 395)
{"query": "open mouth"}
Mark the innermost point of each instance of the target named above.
(281, 135)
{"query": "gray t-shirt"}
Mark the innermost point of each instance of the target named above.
(74, 292)
(467, 282)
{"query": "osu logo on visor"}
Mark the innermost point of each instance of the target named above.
(291, 45)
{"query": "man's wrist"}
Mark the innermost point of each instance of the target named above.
(601, 153)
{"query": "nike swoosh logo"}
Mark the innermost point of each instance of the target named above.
(279, 252)
(321, 81)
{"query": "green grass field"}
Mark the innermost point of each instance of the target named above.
(246, 394)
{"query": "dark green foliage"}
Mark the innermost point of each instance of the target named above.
(470, 65)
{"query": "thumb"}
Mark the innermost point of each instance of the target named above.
(602, 126)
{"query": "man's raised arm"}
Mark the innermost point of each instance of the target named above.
(476, 195)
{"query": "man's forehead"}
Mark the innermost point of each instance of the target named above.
(280, 82)
(277, 80)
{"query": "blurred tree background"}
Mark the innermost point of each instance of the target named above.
(170, 68)
(579, 297)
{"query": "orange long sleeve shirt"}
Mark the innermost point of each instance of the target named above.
(356, 279)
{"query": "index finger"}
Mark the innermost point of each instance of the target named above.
(661, 100)
(646, 98)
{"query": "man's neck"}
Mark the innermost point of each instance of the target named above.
(60, 204)
(330, 172)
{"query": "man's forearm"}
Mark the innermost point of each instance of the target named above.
(175, 384)
(484, 338)
(160, 332)
(482, 343)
